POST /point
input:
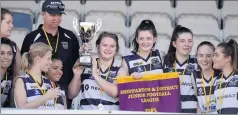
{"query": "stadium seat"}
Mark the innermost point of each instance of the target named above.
(18, 35)
(200, 24)
(196, 7)
(197, 39)
(122, 49)
(22, 20)
(232, 37)
(21, 4)
(162, 43)
(230, 26)
(111, 21)
(162, 22)
(67, 20)
(229, 8)
(116, 6)
(69, 4)
(152, 6)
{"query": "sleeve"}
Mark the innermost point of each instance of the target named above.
(75, 55)
(75, 46)
(26, 44)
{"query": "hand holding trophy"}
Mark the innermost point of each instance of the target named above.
(86, 32)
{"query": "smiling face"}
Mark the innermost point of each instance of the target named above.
(107, 48)
(204, 56)
(55, 71)
(145, 40)
(6, 56)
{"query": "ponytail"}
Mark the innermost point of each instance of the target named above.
(170, 58)
(25, 62)
(36, 49)
(144, 26)
(234, 45)
(230, 49)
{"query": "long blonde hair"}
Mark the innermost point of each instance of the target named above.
(36, 49)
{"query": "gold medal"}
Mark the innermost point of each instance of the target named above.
(100, 106)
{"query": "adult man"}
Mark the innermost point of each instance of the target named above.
(64, 42)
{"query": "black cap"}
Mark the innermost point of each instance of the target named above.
(53, 7)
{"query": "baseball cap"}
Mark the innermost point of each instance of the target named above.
(53, 7)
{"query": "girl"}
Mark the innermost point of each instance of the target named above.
(179, 60)
(32, 89)
(7, 70)
(54, 74)
(6, 28)
(205, 78)
(97, 87)
(226, 84)
(143, 59)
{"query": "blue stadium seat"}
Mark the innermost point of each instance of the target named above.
(22, 20)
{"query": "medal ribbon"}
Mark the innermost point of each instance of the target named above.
(210, 91)
(47, 38)
(181, 81)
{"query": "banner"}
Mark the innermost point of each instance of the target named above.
(151, 93)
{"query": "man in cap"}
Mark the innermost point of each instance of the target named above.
(63, 42)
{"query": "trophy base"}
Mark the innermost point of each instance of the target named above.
(85, 60)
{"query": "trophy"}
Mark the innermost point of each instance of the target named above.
(86, 32)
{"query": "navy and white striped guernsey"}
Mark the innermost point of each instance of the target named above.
(5, 89)
(209, 84)
(228, 94)
(89, 96)
(60, 100)
(188, 97)
(33, 92)
(136, 63)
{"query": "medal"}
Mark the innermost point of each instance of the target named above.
(100, 106)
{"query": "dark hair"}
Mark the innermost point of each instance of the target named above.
(230, 49)
(206, 43)
(3, 12)
(11, 69)
(144, 25)
(170, 57)
(203, 44)
(110, 35)
(55, 57)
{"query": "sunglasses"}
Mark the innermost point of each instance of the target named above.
(56, 7)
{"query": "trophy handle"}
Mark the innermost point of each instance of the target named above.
(98, 26)
(76, 25)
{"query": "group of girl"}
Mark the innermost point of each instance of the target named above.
(208, 81)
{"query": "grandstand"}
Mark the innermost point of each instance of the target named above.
(212, 20)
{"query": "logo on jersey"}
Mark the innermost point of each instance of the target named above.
(190, 68)
(156, 63)
(200, 91)
(138, 63)
(139, 69)
(65, 45)
(233, 81)
(111, 75)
